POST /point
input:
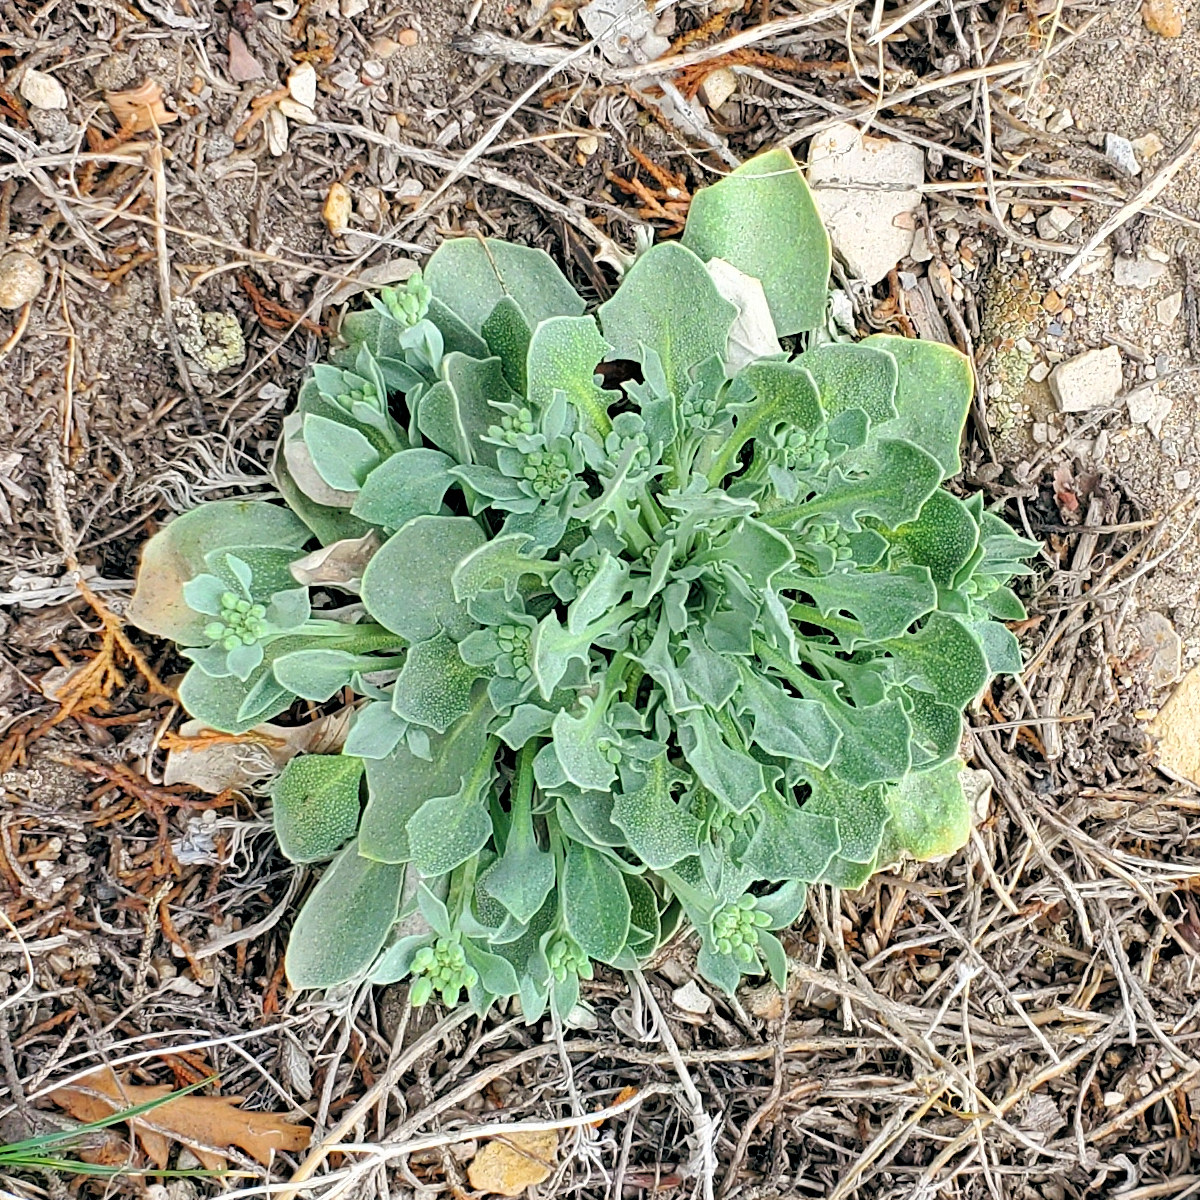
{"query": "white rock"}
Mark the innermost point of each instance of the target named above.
(1063, 119)
(1148, 406)
(1119, 151)
(1089, 380)
(1054, 222)
(302, 85)
(42, 90)
(409, 188)
(862, 184)
(351, 8)
(1139, 273)
(1039, 371)
(690, 998)
(1156, 255)
(1168, 308)
(1183, 479)
(717, 87)
(921, 250)
(295, 111)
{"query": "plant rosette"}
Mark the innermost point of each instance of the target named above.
(631, 657)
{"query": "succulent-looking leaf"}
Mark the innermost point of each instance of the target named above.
(762, 218)
(659, 830)
(434, 685)
(564, 354)
(400, 783)
(930, 815)
(933, 396)
(667, 303)
(344, 923)
(178, 553)
(472, 275)
(315, 805)
(595, 903)
(407, 585)
(411, 483)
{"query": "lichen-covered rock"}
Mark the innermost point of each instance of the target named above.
(214, 340)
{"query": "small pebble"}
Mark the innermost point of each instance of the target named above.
(1183, 479)
(717, 87)
(409, 189)
(1150, 371)
(1039, 371)
(21, 278)
(1062, 120)
(1139, 273)
(408, 37)
(1021, 212)
(1053, 303)
(587, 145)
(1066, 316)
(1119, 151)
(337, 208)
(1148, 146)
(373, 72)
(295, 111)
(1054, 222)
(1088, 380)
(1024, 345)
(42, 90)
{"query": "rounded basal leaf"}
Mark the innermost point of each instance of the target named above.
(315, 805)
(762, 219)
(407, 585)
(434, 686)
(930, 815)
(933, 396)
(345, 922)
(669, 304)
(853, 376)
(596, 905)
(943, 537)
(470, 276)
(178, 552)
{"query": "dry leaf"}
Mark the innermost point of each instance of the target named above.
(340, 563)
(337, 207)
(507, 1168)
(140, 108)
(207, 1125)
(214, 762)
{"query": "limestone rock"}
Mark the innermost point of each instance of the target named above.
(1177, 728)
(868, 190)
(1139, 273)
(1089, 380)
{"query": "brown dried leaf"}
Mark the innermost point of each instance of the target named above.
(508, 1167)
(207, 1125)
(140, 108)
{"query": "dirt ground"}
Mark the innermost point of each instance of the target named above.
(1017, 1022)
